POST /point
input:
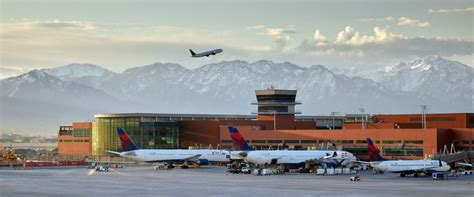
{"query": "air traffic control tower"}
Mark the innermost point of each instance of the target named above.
(277, 106)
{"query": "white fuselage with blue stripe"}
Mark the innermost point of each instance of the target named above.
(400, 166)
(298, 157)
(165, 155)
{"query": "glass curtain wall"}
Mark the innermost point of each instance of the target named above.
(147, 135)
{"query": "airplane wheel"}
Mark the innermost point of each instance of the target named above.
(402, 175)
(416, 175)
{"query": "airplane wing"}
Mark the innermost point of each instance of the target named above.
(190, 158)
(193, 158)
(113, 152)
(464, 164)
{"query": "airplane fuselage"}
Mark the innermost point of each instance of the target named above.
(295, 157)
(207, 53)
(170, 155)
(411, 166)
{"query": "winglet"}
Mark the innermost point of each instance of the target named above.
(192, 52)
(237, 139)
(373, 152)
(126, 141)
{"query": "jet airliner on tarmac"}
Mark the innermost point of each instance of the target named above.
(205, 54)
(404, 167)
(184, 156)
(290, 158)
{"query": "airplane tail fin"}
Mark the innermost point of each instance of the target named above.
(237, 139)
(373, 152)
(192, 52)
(127, 143)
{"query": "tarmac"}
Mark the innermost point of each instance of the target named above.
(214, 181)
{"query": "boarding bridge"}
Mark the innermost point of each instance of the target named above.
(451, 155)
(454, 157)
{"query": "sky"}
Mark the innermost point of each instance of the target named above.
(122, 34)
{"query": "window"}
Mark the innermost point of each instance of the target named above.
(275, 141)
(273, 108)
(413, 141)
(418, 119)
(347, 141)
(292, 141)
(309, 141)
(356, 150)
(392, 141)
(82, 132)
(361, 141)
(259, 141)
(402, 151)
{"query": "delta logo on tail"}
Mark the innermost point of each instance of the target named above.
(127, 143)
(373, 152)
(237, 139)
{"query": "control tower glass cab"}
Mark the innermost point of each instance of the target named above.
(277, 106)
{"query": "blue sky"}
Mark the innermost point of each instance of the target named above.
(122, 34)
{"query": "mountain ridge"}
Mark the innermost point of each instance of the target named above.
(228, 87)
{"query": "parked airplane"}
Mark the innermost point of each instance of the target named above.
(184, 156)
(289, 158)
(207, 53)
(404, 167)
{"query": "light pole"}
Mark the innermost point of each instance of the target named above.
(362, 110)
(274, 120)
(333, 119)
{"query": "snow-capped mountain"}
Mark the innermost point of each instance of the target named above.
(228, 87)
(78, 91)
(38, 84)
(37, 101)
(87, 74)
(433, 78)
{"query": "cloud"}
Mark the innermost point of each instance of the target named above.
(401, 21)
(350, 37)
(281, 35)
(389, 18)
(412, 22)
(279, 31)
(383, 45)
(280, 43)
(54, 25)
(39, 44)
(470, 9)
(256, 27)
(319, 38)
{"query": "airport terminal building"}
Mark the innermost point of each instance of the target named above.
(276, 124)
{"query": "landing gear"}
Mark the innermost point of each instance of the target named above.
(402, 174)
(416, 175)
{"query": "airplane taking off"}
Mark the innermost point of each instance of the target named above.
(404, 167)
(293, 158)
(184, 156)
(206, 54)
